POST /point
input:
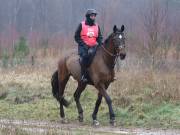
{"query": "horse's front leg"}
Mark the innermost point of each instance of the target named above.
(103, 92)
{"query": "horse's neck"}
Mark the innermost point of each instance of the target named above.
(108, 59)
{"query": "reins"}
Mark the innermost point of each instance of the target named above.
(111, 54)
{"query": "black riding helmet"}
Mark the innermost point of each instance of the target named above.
(90, 12)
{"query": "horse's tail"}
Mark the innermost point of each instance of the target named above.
(55, 85)
(56, 90)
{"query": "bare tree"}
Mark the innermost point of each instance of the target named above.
(153, 22)
(57, 20)
(13, 22)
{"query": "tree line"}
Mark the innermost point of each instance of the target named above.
(152, 27)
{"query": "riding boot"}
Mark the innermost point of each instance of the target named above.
(83, 74)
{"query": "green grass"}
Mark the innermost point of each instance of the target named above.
(136, 114)
(28, 96)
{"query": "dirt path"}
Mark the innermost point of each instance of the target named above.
(44, 126)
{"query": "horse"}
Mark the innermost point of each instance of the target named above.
(101, 74)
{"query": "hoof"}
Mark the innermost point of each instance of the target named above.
(96, 123)
(112, 122)
(64, 121)
(80, 118)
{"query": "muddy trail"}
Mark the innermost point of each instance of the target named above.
(42, 127)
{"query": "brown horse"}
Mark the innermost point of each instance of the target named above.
(101, 74)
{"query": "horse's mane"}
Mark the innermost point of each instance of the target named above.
(107, 39)
(105, 43)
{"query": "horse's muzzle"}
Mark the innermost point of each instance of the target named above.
(122, 56)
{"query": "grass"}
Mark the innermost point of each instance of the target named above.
(140, 99)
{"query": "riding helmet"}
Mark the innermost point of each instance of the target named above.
(90, 12)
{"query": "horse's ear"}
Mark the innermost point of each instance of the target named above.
(114, 28)
(122, 28)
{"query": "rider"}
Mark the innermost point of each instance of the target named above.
(88, 36)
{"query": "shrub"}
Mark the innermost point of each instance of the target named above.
(21, 50)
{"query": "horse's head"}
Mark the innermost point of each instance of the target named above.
(118, 41)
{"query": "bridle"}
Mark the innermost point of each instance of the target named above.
(116, 56)
(111, 54)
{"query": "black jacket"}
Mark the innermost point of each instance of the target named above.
(78, 39)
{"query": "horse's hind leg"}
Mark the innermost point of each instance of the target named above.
(94, 115)
(62, 100)
(77, 95)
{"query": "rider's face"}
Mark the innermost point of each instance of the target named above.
(93, 16)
